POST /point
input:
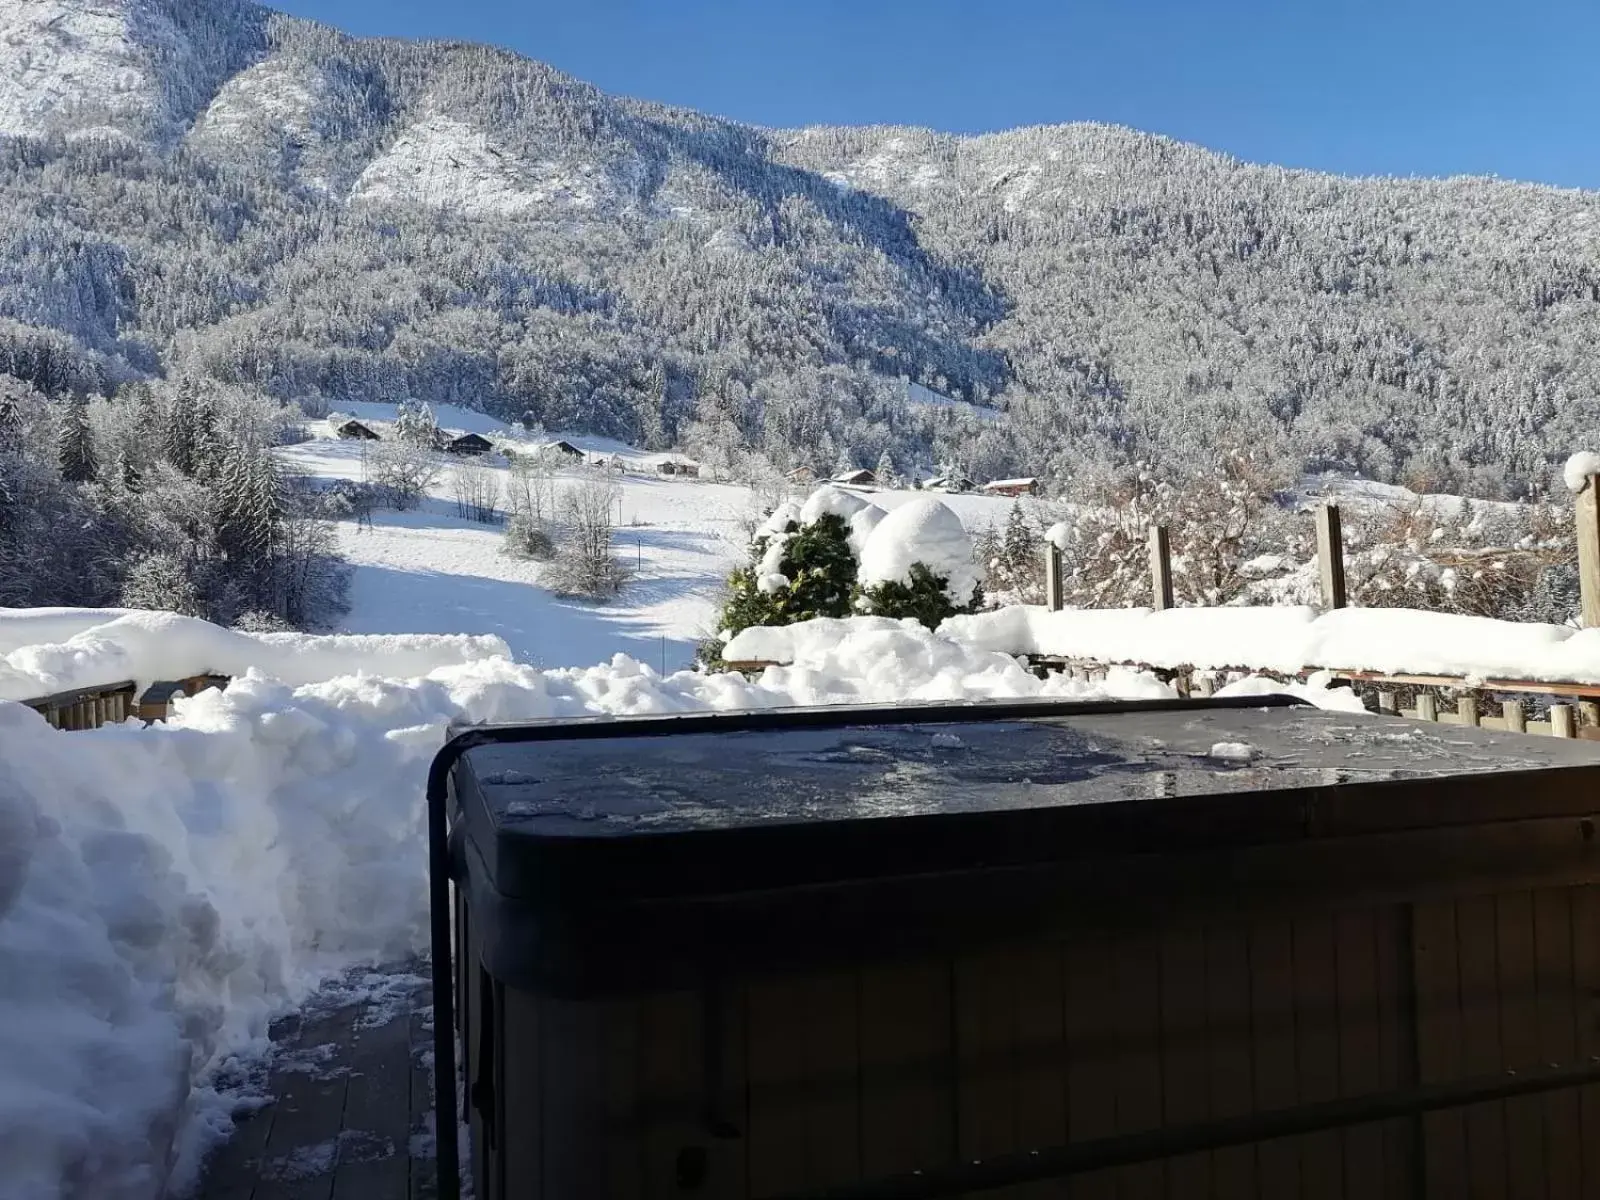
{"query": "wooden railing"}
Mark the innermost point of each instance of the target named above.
(1443, 699)
(111, 704)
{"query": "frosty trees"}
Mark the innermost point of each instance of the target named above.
(184, 508)
(584, 564)
(476, 488)
(403, 470)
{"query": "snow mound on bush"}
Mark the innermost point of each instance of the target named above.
(928, 532)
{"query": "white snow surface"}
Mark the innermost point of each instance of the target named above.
(925, 531)
(166, 891)
(1293, 638)
(144, 647)
(74, 58)
(1578, 468)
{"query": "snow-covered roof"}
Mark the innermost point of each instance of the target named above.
(1028, 482)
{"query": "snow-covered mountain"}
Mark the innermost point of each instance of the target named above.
(207, 186)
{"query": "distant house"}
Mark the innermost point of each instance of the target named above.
(354, 430)
(1012, 487)
(861, 478)
(471, 444)
(802, 475)
(563, 448)
(679, 466)
(947, 483)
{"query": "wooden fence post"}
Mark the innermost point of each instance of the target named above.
(1561, 722)
(1516, 721)
(1054, 583)
(1330, 556)
(1160, 568)
(1588, 521)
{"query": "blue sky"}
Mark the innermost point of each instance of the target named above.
(1406, 87)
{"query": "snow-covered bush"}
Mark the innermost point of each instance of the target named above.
(403, 471)
(918, 562)
(837, 555)
(797, 571)
(527, 538)
(584, 564)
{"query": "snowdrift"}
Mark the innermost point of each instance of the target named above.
(1290, 639)
(165, 891)
(82, 648)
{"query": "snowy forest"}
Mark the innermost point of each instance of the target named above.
(161, 497)
(275, 205)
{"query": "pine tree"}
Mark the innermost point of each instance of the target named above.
(75, 444)
(886, 473)
(414, 424)
(10, 426)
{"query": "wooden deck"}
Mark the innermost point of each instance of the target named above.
(351, 1105)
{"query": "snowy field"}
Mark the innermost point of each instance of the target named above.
(430, 571)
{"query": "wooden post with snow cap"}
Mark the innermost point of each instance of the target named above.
(1054, 582)
(1330, 556)
(1582, 478)
(1160, 569)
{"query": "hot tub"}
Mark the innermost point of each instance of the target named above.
(1243, 949)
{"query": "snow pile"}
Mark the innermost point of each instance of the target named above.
(1290, 639)
(149, 646)
(40, 626)
(165, 891)
(1578, 469)
(923, 531)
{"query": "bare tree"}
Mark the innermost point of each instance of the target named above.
(477, 491)
(404, 472)
(584, 565)
(530, 487)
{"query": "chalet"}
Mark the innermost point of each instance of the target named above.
(472, 444)
(861, 478)
(1012, 487)
(566, 449)
(679, 466)
(802, 475)
(354, 430)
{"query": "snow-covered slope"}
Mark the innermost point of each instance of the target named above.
(138, 67)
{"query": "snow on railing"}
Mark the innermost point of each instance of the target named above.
(82, 668)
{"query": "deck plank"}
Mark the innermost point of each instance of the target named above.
(345, 1100)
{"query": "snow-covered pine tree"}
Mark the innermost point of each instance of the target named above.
(885, 473)
(415, 425)
(75, 445)
(10, 425)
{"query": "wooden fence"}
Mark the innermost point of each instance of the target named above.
(111, 704)
(1442, 699)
